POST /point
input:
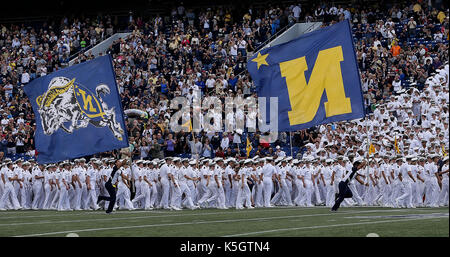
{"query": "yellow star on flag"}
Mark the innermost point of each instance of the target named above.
(261, 59)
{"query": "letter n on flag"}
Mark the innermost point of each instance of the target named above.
(315, 78)
(78, 111)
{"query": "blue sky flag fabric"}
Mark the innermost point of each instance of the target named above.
(78, 111)
(315, 78)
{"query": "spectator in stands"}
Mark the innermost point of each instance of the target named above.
(395, 49)
(412, 24)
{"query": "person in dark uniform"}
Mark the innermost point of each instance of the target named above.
(344, 190)
(110, 186)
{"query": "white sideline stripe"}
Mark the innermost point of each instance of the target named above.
(159, 211)
(330, 226)
(112, 219)
(132, 218)
(198, 222)
(159, 216)
(65, 214)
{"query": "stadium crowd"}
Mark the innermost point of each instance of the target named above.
(402, 52)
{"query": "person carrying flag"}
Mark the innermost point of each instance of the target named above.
(111, 186)
(344, 190)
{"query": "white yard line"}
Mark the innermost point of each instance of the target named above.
(166, 216)
(68, 213)
(185, 211)
(199, 222)
(331, 226)
(159, 211)
(178, 214)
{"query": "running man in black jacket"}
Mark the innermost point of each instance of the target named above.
(110, 186)
(344, 190)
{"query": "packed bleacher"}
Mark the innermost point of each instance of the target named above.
(205, 51)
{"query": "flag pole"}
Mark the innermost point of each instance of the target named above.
(368, 141)
(290, 139)
(132, 189)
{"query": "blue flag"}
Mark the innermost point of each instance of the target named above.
(315, 78)
(78, 111)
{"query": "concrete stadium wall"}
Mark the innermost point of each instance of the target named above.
(294, 32)
(103, 46)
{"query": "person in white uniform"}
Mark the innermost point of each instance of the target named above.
(123, 186)
(27, 184)
(258, 188)
(244, 194)
(432, 179)
(38, 187)
(165, 186)
(142, 173)
(175, 193)
(77, 185)
(19, 186)
(49, 186)
(138, 174)
(153, 177)
(444, 195)
(63, 183)
(91, 180)
(183, 178)
(269, 172)
(406, 178)
(9, 197)
(206, 180)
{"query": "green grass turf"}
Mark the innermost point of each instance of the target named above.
(294, 221)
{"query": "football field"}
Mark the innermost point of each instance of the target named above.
(279, 221)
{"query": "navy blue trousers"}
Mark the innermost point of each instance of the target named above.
(344, 192)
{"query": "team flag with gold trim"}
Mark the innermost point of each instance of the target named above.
(396, 145)
(315, 78)
(249, 147)
(371, 149)
(78, 111)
